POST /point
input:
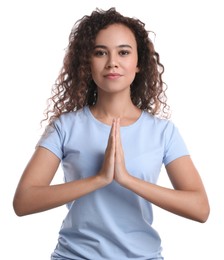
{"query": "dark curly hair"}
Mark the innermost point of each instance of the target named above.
(75, 88)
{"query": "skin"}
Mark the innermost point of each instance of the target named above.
(114, 66)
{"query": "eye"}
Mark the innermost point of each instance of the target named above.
(124, 52)
(99, 53)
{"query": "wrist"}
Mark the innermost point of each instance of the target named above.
(102, 180)
(124, 179)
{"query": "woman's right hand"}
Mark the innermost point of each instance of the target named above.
(107, 170)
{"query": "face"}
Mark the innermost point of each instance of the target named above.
(114, 60)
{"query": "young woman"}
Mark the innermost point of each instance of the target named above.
(108, 126)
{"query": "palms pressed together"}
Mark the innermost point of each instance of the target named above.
(114, 164)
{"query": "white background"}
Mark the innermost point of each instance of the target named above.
(189, 38)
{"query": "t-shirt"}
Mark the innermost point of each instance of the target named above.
(111, 222)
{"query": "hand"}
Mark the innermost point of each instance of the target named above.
(120, 172)
(107, 170)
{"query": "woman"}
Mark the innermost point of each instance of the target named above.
(109, 128)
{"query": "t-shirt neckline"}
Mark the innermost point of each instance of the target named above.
(98, 122)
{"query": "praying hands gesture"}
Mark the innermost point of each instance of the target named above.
(113, 167)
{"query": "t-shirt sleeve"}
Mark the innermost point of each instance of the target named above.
(175, 146)
(52, 139)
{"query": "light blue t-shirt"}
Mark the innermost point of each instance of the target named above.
(112, 222)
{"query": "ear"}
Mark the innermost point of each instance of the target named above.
(137, 69)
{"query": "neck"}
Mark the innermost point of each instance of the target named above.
(110, 106)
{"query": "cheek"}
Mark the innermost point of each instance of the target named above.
(93, 70)
(96, 67)
(132, 65)
(132, 68)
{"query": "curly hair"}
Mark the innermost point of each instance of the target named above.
(74, 88)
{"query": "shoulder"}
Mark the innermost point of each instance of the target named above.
(164, 129)
(68, 119)
(66, 124)
(156, 122)
(71, 116)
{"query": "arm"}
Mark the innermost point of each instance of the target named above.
(34, 192)
(188, 198)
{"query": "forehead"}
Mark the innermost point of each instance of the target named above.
(115, 34)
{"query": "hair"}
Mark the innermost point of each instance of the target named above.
(74, 88)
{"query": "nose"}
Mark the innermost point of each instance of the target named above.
(112, 62)
(111, 66)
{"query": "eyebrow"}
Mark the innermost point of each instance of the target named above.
(119, 46)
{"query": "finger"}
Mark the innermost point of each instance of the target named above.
(118, 133)
(117, 124)
(111, 139)
(119, 150)
(107, 170)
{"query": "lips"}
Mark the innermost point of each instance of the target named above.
(112, 75)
